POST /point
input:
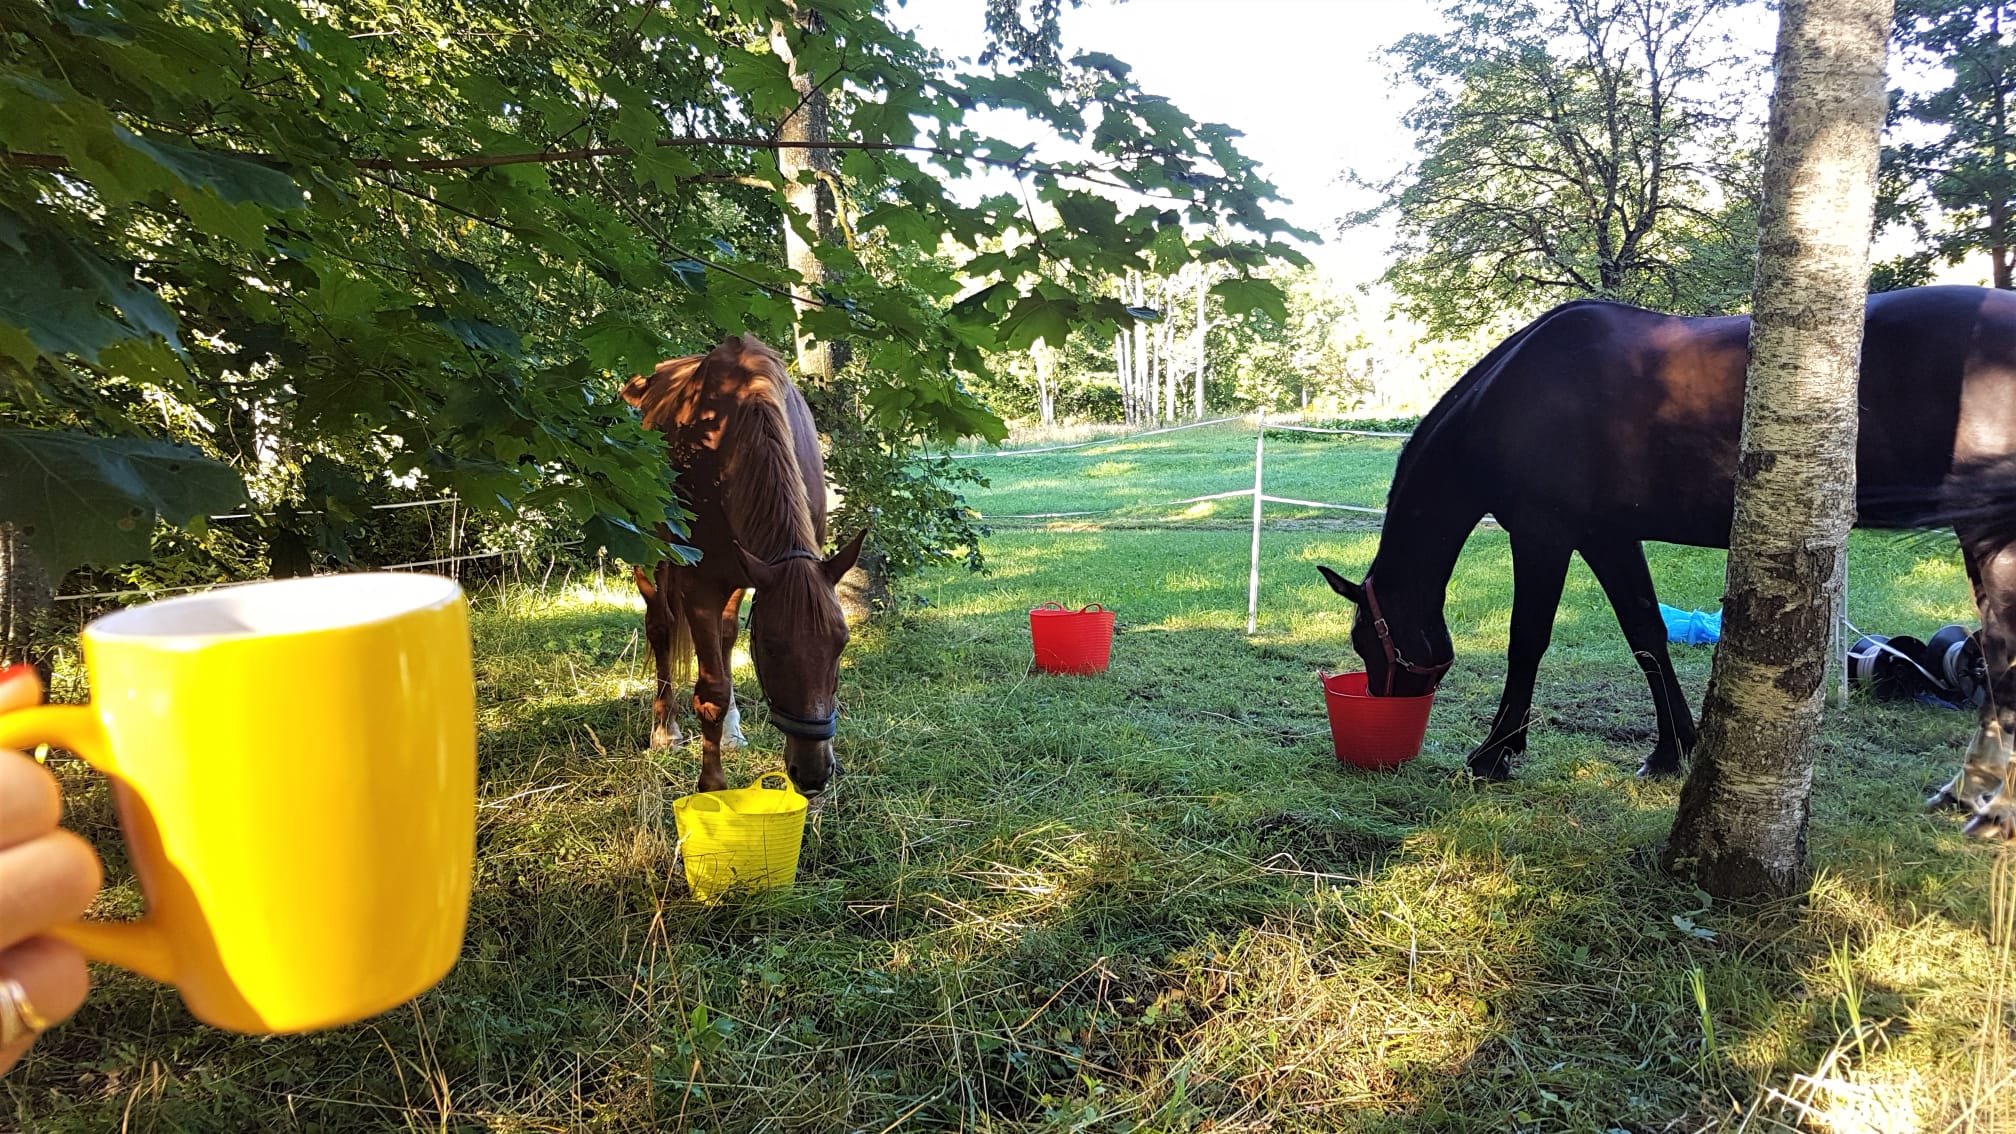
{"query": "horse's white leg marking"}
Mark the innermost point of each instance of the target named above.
(1988, 771)
(665, 734)
(731, 726)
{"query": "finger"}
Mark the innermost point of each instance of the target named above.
(20, 687)
(45, 882)
(53, 977)
(30, 804)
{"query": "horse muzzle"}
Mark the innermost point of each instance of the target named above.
(808, 748)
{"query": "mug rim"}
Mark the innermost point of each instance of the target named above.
(376, 597)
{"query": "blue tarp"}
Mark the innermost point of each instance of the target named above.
(1691, 627)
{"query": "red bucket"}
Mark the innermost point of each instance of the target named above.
(1373, 732)
(1071, 641)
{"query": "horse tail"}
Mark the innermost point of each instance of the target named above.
(1978, 501)
(680, 655)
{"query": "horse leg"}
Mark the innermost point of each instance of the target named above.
(1539, 568)
(1985, 780)
(712, 686)
(1626, 579)
(731, 627)
(658, 616)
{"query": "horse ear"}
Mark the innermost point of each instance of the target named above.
(760, 574)
(1342, 585)
(842, 561)
(633, 390)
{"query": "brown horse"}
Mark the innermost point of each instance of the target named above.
(1600, 426)
(741, 440)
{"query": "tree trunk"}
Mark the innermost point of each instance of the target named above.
(1203, 288)
(810, 186)
(809, 197)
(1045, 362)
(1144, 407)
(1120, 373)
(1741, 826)
(26, 602)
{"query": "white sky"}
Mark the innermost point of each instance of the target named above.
(1299, 77)
(1303, 79)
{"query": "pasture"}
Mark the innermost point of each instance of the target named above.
(1148, 900)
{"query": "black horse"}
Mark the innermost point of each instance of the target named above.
(1599, 426)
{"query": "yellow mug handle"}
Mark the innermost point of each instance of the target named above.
(134, 945)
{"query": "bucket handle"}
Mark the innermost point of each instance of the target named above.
(1089, 609)
(1051, 606)
(764, 781)
(1062, 609)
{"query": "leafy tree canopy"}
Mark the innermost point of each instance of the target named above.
(1572, 148)
(1948, 173)
(418, 240)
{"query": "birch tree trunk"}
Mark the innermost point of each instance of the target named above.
(810, 191)
(810, 197)
(1203, 288)
(1144, 408)
(1120, 374)
(1044, 360)
(1741, 826)
(1172, 394)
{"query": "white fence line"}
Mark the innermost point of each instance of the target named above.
(240, 582)
(318, 511)
(1122, 439)
(1345, 432)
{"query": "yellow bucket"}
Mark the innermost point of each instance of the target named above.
(741, 838)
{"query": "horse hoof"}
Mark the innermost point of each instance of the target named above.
(1943, 800)
(1656, 769)
(1491, 771)
(1992, 826)
(664, 738)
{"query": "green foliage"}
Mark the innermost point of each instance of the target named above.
(1949, 174)
(422, 242)
(1573, 148)
(80, 499)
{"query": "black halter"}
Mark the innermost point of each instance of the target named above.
(1394, 659)
(804, 728)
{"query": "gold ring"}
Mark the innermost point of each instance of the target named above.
(18, 1018)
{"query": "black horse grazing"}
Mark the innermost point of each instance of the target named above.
(1599, 426)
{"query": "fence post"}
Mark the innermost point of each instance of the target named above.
(1253, 577)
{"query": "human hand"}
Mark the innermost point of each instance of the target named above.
(48, 876)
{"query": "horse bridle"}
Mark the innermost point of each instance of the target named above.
(804, 728)
(1394, 658)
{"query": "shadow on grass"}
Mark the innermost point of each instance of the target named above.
(1147, 900)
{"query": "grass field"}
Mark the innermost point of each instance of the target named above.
(1148, 900)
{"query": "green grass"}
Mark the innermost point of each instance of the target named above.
(1136, 477)
(1148, 900)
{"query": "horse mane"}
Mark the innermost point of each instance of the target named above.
(766, 503)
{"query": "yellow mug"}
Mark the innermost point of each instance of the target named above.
(294, 765)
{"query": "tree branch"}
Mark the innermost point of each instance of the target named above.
(585, 153)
